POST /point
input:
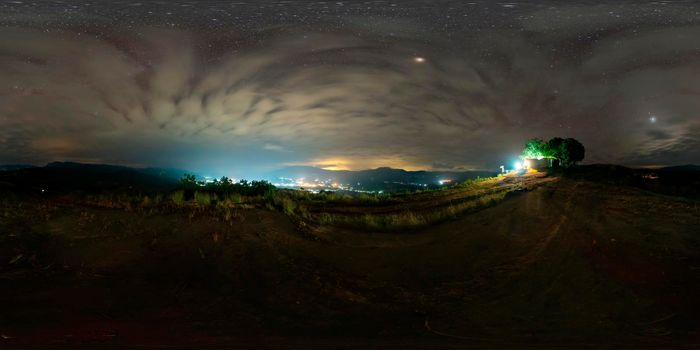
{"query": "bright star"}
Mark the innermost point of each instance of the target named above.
(652, 119)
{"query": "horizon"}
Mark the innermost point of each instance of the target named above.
(288, 167)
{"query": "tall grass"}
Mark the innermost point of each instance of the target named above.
(288, 206)
(408, 219)
(203, 198)
(178, 197)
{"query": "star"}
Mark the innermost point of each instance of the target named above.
(652, 119)
(419, 59)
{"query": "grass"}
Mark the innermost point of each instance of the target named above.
(204, 198)
(408, 219)
(390, 211)
(178, 197)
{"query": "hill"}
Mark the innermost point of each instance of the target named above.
(676, 181)
(560, 261)
(10, 167)
(65, 177)
(681, 168)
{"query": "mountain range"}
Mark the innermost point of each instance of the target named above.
(69, 176)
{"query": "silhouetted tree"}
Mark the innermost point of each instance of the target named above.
(573, 152)
(555, 148)
(188, 184)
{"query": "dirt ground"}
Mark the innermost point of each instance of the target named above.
(566, 264)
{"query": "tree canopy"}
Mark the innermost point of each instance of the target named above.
(535, 148)
(568, 151)
(224, 186)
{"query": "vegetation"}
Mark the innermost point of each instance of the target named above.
(224, 187)
(536, 149)
(409, 219)
(391, 212)
(568, 151)
(373, 211)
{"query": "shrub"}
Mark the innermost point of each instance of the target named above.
(326, 219)
(202, 198)
(288, 206)
(235, 198)
(224, 186)
(146, 202)
(178, 197)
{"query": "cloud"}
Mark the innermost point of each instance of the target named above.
(338, 99)
(275, 148)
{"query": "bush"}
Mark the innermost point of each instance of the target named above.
(326, 219)
(146, 202)
(235, 198)
(288, 206)
(178, 197)
(224, 189)
(202, 198)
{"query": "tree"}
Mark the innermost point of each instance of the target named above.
(188, 184)
(555, 148)
(568, 151)
(535, 148)
(573, 151)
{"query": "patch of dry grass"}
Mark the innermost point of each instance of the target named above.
(408, 219)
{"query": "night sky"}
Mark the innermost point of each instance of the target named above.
(238, 88)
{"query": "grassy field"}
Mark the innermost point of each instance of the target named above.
(365, 211)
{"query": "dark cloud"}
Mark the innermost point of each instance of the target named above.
(345, 91)
(659, 135)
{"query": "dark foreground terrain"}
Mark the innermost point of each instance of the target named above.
(562, 262)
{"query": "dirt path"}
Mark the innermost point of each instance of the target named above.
(534, 254)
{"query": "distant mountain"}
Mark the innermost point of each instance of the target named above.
(387, 179)
(10, 167)
(69, 176)
(680, 168)
(170, 173)
(676, 180)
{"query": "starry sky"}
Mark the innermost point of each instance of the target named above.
(239, 88)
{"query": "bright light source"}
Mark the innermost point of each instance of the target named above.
(517, 165)
(526, 164)
(419, 60)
